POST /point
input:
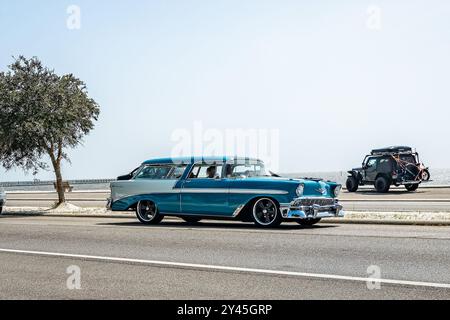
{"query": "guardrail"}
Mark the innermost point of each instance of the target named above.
(50, 183)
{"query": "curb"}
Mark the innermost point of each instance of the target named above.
(390, 222)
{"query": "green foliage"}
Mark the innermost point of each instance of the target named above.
(41, 114)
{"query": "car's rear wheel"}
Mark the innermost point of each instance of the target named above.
(411, 187)
(192, 220)
(382, 184)
(266, 213)
(1, 209)
(147, 212)
(309, 222)
(352, 184)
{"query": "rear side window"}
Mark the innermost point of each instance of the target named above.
(154, 173)
(385, 165)
(177, 172)
(408, 158)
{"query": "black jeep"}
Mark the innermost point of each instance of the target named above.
(389, 166)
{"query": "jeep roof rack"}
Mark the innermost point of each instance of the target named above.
(392, 150)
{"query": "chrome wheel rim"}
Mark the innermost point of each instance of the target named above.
(146, 210)
(265, 211)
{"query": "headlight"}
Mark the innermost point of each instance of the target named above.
(337, 191)
(300, 189)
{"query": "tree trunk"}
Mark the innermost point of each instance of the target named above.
(59, 184)
(56, 162)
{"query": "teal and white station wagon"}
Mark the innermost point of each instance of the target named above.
(222, 188)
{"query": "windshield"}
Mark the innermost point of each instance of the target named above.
(247, 170)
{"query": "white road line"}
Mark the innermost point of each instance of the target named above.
(226, 268)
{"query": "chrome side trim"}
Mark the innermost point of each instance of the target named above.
(238, 210)
(257, 191)
(232, 191)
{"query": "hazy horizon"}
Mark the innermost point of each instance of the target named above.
(334, 79)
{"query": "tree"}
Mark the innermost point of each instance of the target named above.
(42, 114)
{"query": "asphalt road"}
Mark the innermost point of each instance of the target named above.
(120, 258)
(398, 199)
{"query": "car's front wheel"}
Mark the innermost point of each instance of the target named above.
(1, 209)
(309, 222)
(266, 213)
(147, 212)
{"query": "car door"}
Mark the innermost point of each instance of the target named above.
(370, 170)
(205, 192)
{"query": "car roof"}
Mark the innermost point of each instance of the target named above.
(194, 159)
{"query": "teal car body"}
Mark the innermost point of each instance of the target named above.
(182, 187)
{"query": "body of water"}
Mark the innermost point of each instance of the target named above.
(438, 177)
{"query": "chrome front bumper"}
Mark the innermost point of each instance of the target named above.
(295, 210)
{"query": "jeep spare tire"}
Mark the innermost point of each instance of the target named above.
(382, 184)
(352, 184)
(425, 175)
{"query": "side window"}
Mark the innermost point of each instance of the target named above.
(371, 162)
(154, 173)
(177, 172)
(385, 164)
(204, 171)
(408, 158)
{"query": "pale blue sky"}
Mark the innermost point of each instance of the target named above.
(312, 69)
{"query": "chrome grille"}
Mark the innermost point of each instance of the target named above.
(308, 202)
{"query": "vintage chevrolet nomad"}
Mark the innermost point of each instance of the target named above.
(222, 187)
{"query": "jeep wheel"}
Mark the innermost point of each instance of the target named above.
(266, 213)
(147, 212)
(382, 185)
(352, 184)
(411, 187)
(308, 222)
